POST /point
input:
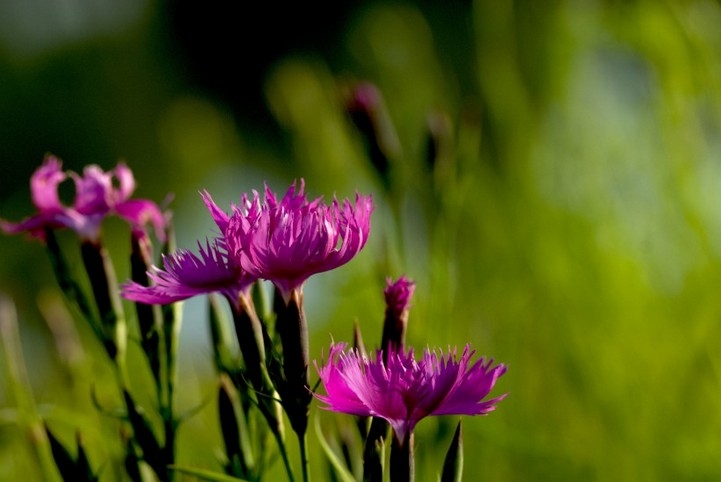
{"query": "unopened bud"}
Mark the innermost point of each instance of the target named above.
(367, 110)
(398, 299)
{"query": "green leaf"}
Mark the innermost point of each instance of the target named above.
(144, 436)
(82, 464)
(373, 451)
(62, 456)
(220, 336)
(206, 474)
(341, 470)
(234, 428)
(453, 464)
(67, 283)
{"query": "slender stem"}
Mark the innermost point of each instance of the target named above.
(167, 350)
(292, 328)
(372, 458)
(101, 275)
(249, 331)
(402, 466)
(169, 442)
(171, 328)
(148, 316)
(295, 393)
(284, 455)
(68, 285)
(19, 387)
(303, 441)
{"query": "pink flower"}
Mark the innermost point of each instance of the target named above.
(286, 242)
(186, 275)
(403, 391)
(95, 198)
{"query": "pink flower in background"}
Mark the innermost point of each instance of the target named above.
(95, 198)
(403, 391)
(185, 275)
(286, 242)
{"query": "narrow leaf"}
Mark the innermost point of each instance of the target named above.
(62, 456)
(234, 427)
(341, 470)
(220, 336)
(206, 474)
(453, 464)
(143, 434)
(82, 464)
(18, 383)
(372, 452)
(148, 315)
(67, 283)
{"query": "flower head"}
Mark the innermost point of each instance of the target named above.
(402, 390)
(186, 275)
(288, 241)
(95, 198)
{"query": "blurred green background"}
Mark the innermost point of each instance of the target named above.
(569, 224)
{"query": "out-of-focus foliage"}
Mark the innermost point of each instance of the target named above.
(569, 224)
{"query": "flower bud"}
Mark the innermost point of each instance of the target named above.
(398, 299)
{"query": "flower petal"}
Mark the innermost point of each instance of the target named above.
(93, 191)
(141, 212)
(44, 184)
(186, 274)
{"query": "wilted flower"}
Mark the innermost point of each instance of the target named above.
(402, 390)
(95, 198)
(286, 242)
(185, 274)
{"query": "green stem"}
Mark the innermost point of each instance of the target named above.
(303, 441)
(402, 466)
(101, 274)
(171, 330)
(292, 329)
(284, 455)
(68, 285)
(148, 316)
(20, 388)
(372, 457)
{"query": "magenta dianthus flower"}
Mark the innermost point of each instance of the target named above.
(186, 274)
(95, 198)
(403, 391)
(286, 242)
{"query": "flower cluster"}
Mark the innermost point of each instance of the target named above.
(95, 198)
(282, 240)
